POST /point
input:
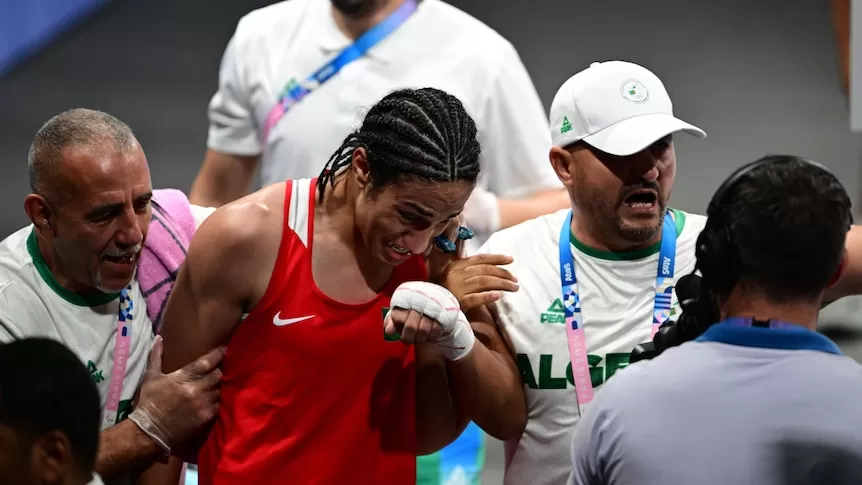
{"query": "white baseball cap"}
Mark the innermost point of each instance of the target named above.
(618, 107)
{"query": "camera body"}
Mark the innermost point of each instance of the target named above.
(699, 311)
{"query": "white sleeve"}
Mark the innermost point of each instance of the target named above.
(6, 328)
(200, 213)
(514, 133)
(233, 128)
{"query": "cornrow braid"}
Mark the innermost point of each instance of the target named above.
(424, 133)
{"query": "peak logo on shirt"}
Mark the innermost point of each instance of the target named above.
(555, 314)
(95, 372)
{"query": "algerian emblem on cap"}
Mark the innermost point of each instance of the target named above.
(634, 91)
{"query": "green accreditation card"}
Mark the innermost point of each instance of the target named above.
(389, 338)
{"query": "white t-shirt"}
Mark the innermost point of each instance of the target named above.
(439, 46)
(617, 294)
(33, 304)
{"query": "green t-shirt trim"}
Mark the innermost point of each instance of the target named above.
(95, 299)
(679, 218)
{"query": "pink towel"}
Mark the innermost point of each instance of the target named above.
(171, 230)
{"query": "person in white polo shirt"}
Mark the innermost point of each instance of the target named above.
(597, 279)
(759, 397)
(329, 62)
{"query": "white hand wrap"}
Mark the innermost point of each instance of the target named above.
(437, 303)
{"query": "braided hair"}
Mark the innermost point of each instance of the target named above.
(423, 133)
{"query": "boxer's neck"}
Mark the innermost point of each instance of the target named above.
(339, 208)
(353, 26)
(339, 205)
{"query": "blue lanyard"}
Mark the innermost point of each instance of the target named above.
(572, 303)
(294, 93)
(664, 278)
(775, 335)
(349, 54)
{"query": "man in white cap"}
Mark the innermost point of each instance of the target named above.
(598, 279)
(615, 257)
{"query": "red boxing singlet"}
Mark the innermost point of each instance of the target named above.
(312, 393)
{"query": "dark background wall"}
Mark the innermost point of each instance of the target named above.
(759, 76)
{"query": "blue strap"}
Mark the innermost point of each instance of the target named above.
(777, 335)
(664, 273)
(293, 94)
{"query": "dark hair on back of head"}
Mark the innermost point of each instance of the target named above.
(44, 387)
(424, 133)
(789, 222)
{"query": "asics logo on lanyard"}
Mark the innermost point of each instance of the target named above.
(572, 302)
(294, 94)
(122, 346)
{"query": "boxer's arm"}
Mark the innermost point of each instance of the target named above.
(212, 288)
(206, 303)
(487, 383)
(439, 420)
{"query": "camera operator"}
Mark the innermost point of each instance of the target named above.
(726, 407)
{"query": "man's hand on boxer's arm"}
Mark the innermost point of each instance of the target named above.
(476, 280)
(169, 409)
(479, 279)
(172, 407)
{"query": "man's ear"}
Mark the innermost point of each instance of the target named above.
(39, 212)
(562, 162)
(361, 172)
(52, 458)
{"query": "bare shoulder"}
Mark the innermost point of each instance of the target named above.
(238, 244)
(244, 224)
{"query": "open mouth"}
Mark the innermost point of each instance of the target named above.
(642, 199)
(398, 249)
(121, 259)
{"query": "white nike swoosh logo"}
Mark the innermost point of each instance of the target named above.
(280, 322)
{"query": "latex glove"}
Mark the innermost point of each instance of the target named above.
(172, 407)
(481, 212)
(425, 312)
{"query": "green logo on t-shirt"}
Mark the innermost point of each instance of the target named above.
(554, 314)
(124, 409)
(546, 380)
(95, 372)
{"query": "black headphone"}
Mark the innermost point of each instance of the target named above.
(717, 258)
(718, 262)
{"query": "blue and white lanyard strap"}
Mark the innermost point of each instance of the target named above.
(122, 348)
(293, 93)
(571, 302)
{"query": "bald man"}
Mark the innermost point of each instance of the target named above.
(70, 276)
